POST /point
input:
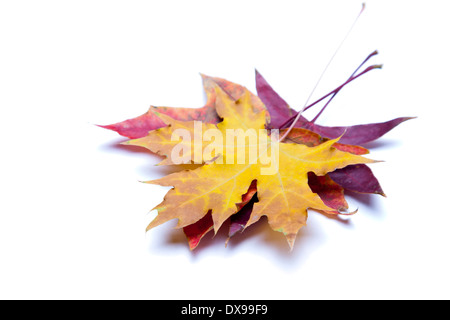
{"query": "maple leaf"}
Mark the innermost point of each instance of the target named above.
(280, 114)
(217, 187)
(139, 127)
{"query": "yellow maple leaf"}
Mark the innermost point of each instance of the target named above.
(230, 166)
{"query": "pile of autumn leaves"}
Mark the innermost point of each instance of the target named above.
(317, 163)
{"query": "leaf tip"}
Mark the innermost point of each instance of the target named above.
(193, 245)
(112, 127)
(150, 182)
(381, 193)
(291, 240)
(126, 143)
(108, 126)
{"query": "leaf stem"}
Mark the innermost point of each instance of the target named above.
(335, 93)
(323, 72)
(287, 122)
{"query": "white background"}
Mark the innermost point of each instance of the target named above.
(73, 212)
